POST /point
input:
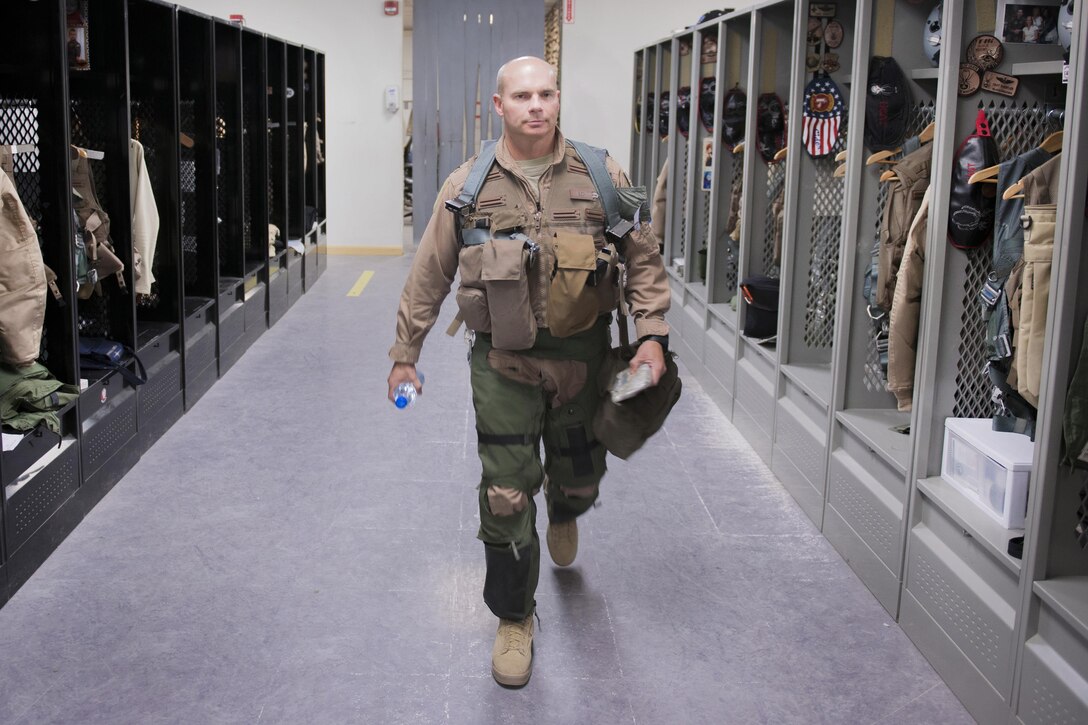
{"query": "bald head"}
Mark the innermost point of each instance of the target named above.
(526, 64)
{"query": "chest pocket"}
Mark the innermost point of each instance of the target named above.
(572, 303)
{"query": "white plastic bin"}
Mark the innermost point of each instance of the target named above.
(991, 468)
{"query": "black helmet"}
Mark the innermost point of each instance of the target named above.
(707, 88)
(734, 110)
(770, 125)
(683, 110)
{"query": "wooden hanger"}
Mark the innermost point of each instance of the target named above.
(89, 153)
(840, 171)
(739, 148)
(987, 175)
(186, 140)
(883, 157)
(1052, 143)
(841, 156)
(927, 133)
(887, 175)
(1015, 191)
(780, 154)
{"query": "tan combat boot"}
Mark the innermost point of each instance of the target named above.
(563, 542)
(512, 655)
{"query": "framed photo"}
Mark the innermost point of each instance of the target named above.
(708, 164)
(1034, 22)
(79, 55)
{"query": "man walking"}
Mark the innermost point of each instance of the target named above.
(538, 285)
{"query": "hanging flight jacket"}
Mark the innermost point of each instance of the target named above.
(1016, 377)
(22, 275)
(145, 219)
(1008, 249)
(906, 309)
(904, 198)
(871, 286)
(102, 261)
(1040, 216)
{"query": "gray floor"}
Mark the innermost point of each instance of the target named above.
(296, 550)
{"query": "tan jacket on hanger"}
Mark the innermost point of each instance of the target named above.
(906, 309)
(1039, 219)
(145, 218)
(22, 275)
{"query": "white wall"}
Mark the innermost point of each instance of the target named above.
(598, 63)
(364, 146)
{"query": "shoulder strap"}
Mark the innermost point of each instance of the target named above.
(593, 158)
(477, 174)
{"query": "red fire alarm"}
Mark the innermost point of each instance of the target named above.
(392, 7)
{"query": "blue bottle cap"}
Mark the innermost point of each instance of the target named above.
(401, 401)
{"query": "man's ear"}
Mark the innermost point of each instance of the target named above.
(496, 101)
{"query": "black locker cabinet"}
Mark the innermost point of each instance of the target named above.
(255, 184)
(208, 104)
(276, 55)
(197, 164)
(296, 200)
(309, 217)
(99, 123)
(319, 139)
(228, 122)
(153, 94)
(40, 475)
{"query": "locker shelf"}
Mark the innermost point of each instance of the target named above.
(920, 74)
(813, 379)
(1037, 68)
(974, 522)
(1068, 597)
(725, 313)
(874, 427)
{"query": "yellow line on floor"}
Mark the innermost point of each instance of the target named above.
(360, 284)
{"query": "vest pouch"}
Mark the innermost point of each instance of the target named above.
(572, 303)
(506, 281)
(472, 304)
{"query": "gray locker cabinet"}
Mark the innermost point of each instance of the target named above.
(867, 488)
(638, 114)
(1010, 637)
(727, 172)
(756, 372)
(963, 594)
(811, 254)
(1052, 683)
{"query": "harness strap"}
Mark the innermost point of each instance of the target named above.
(579, 451)
(504, 439)
(478, 173)
(593, 158)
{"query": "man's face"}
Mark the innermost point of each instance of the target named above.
(529, 103)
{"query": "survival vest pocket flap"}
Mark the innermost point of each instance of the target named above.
(575, 251)
(503, 260)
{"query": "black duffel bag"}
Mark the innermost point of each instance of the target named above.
(761, 308)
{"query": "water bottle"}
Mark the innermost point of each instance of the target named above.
(405, 393)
